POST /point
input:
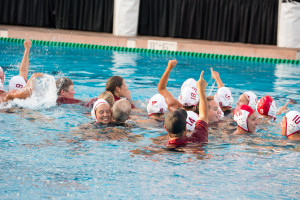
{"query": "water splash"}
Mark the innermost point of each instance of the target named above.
(212, 87)
(44, 94)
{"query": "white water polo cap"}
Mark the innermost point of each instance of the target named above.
(157, 104)
(16, 82)
(267, 106)
(1, 86)
(2, 72)
(96, 105)
(241, 115)
(190, 83)
(220, 113)
(292, 123)
(252, 99)
(191, 120)
(188, 97)
(224, 97)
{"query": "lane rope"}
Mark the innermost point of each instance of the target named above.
(152, 51)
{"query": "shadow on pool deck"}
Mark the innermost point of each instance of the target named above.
(190, 45)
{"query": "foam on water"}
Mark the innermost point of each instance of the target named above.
(44, 94)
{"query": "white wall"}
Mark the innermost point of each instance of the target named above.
(126, 15)
(288, 34)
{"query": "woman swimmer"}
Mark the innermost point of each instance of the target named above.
(101, 112)
(290, 125)
(246, 119)
(117, 86)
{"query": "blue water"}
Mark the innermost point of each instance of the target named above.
(43, 154)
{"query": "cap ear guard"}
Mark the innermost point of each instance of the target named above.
(241, 115)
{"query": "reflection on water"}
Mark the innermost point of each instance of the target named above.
(288, 76)
(124, 64)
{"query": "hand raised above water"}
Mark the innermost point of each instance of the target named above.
(172, 63)
(27, 44)
(201, 83)
(214, 74)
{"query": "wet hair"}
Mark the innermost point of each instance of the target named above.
(107, 96)
(175, 123)
(158, 115)
(188, 108)
(63, 83)
(121, 110)
(227, 112)
(113, 82)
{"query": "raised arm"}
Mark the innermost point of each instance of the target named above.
(203, 105)
(25, 61)
(282, 109)
(215, 75)
(173, 103)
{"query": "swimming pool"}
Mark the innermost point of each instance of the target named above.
(43, 155)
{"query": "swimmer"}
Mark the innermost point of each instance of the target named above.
(65, 92)
(290, 125)
(156, 110)
(157, 107)
(121, 111)
(223, 96)
(101, 112)
(17, 82)
(248, 98)
(22, 93)
(188, 99)
(246, 119)
(266, 107)
(117, 86)
(175, 122)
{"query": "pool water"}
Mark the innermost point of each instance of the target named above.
(44, 155)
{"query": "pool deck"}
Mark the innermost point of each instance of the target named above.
(161, 43)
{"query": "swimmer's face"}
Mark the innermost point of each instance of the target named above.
(68, 94)
(243, 100)
(252, 122)
(103, 113)
(213, 111)
(122, 90)
(283, 126)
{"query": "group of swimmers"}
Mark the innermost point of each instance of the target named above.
(189, 116)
